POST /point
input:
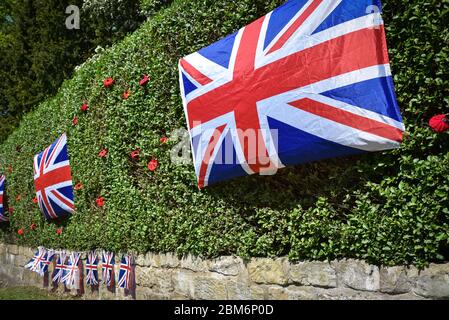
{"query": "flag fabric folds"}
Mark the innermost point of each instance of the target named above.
(60, 268)
(126, 272)
(308, 81)
(53, 180)
(107, 266)
(36, 264)
(92, 268)
(71, 278)
(3, 217)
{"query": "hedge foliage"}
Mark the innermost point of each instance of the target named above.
(389, 208)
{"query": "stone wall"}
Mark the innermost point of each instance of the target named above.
(165, 276)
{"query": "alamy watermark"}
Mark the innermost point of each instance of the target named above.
(73, 20)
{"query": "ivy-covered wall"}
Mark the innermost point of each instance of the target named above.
(390, 208)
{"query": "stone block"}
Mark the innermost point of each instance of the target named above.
(157, 279)
(268, 271)
(209, 288)
(13, 249)
(394, 280)
(228, 266)
(319, 274)
(356, 274)
(194, 263)
(433, 282)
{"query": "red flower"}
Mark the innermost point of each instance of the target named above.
(144, 80)
(59, 231)
(33, 226)
(19, 197)
(103, 153)
(100, 201)
(75, 121)
(135, 154)
(35, 200)
(78, 186)
(164, 140)
(439, 123)
(11, 209)
(126, 94)
(10, 169)
(152, 165)
(84, 107)
(108, 82)
(20, 232)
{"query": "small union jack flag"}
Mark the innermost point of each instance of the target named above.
(308, 81)
(60, 268)
(48, 259)
(92, 268)
(72, 275)
(53, 180)
(36, 264)
(3, 218)
(126, 272)
(107, 266)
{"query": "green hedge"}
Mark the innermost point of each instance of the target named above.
(389, 208)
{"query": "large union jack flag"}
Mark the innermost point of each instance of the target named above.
(3, 218)
(53, 180)
(308, 81)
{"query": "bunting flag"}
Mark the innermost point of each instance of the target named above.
(60, 268)
(48, 259)
(308, 81)
(126, 272)
(53, 180)
(107, 266)
(71, 278)
(3, 217)
(92, 268)
(36, 264)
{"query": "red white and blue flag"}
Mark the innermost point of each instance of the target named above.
(36, 264)
(308, 81)
(92, 268)
(53, 180)
(3, 218)
(126, 273)
(60, 269)
(107, 266)
(71, 278)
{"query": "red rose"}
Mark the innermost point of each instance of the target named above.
(78, 186)
(35, 200)
(75, 121)
(152, 165)
(126, 94)
(20, 232)
(135, 154)
(84, 107)
(439, 123)
(164, 140)
(108, 82)
(59, 231)
(103, 153)
(144, 80)
(10, 209)
(33, 226)
(100, 201)
(19, 197)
